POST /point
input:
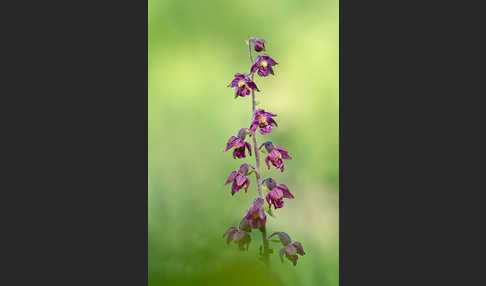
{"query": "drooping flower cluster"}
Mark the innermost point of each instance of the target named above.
(290, 250)
(275, 155)
(263, 120)
(239, 179)
(239, 235)
(243, 85)
(238, 144)
(276, 193)
(255, 217)
(263, 65)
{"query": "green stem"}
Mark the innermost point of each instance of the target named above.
(266, 248)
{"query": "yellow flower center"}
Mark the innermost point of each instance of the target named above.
(262, 120)
(264, 63)
(280, 155)
(241, 83)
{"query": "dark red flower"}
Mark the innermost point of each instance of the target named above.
(277, 193)
(275, 155)
(264, 120)
(263, 64)
(255, 215)
(258, 44)
(243, 85)
(238, 144)
(239, 179)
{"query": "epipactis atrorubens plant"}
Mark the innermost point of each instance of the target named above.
(263, 121)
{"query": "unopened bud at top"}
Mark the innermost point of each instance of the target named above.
(258, 44)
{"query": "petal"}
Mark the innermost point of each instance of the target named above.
(247, 185)
(252, 85)
(239, 234)
(266, 129)
(286, 192)
(234, 188)
(266, 161)
(290, 249)
(268, 198)
(272, 121)
(248, 146)
(253, 127)
(270, 61)
(259, 202)
(270, 70)
(284, 153)
(281, 149)
(298, 246)
(284, 238)
(233, 83)
(231, 177)
(230, 142)
(244, 224)
(281, 252)
(254, 67)
(292, 258)
(229, 230)
(240, 179)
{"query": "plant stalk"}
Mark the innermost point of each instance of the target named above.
(266, 248)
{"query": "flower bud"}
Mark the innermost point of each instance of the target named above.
(258, 44)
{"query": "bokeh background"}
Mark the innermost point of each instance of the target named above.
(195, 48)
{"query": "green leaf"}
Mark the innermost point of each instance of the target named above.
(269, 211)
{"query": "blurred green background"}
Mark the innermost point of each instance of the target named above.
(195, 48)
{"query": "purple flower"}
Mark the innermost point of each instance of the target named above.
(263, 64)
(290, 250)
(275, 155)
(243, 85)
(277, 193)
(258, 44)
(239, 179)
(255, 215)
(239, 236)
(264, 120)
(238, 143)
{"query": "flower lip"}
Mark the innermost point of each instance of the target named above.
(262, 121)
(241, 82)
